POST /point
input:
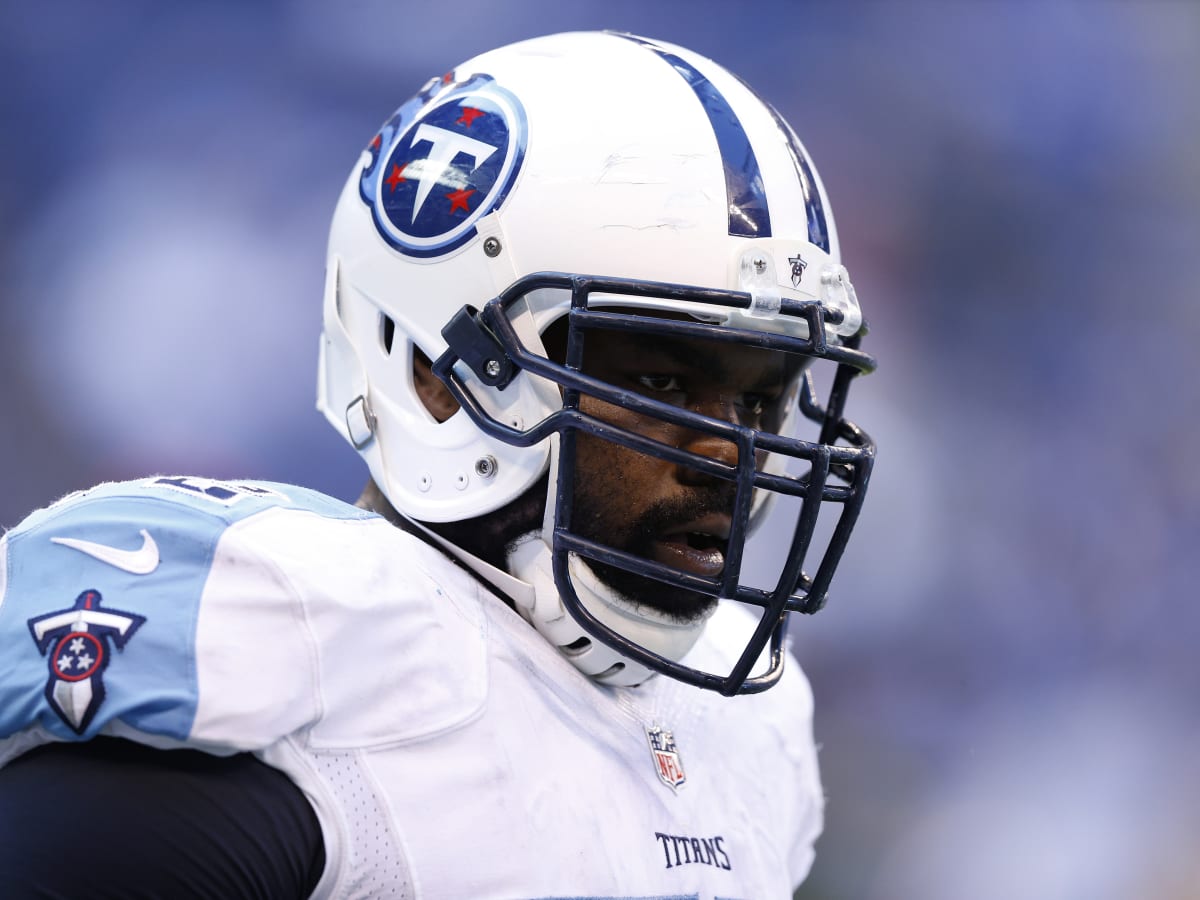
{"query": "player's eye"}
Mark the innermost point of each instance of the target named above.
(756, 404)
(660, 383)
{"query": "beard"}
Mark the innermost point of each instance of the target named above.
(492, 537)
(638, 536)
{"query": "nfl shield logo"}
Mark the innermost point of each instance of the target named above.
(667, 763)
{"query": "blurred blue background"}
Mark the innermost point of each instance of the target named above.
(1006, 676)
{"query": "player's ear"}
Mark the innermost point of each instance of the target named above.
(437, 399)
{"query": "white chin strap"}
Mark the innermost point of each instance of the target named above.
(531, 587)
(529, 582)
(530, 560)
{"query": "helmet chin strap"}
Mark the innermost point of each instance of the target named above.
(531, 560)
(520, 592)
(532, 589)
(529, 583)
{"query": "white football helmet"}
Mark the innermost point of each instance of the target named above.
(589, 175)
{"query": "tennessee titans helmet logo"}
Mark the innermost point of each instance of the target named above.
(444, 160)
(77, 642)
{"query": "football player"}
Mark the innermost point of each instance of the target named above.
(580, 295)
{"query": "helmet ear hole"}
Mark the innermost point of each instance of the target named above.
(434, 395)
(387, 333)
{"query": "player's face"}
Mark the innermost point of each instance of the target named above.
(654, 508)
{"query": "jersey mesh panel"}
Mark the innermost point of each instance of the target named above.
(376, 868)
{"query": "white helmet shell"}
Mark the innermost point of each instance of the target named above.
(596, 153)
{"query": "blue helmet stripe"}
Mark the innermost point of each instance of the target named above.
(744, 191)
(818, 228)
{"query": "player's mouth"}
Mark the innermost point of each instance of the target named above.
(697, 547)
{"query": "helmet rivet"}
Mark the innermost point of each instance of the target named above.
(485, 466)
(491, 247)
(760, 264)
(492, 367)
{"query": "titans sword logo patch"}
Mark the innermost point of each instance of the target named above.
(445, 159)
(76, 641)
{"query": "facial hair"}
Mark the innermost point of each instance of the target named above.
(638, 536)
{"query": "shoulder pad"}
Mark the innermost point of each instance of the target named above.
(103, 571)
(228, 615)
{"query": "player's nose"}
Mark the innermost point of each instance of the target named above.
(713, 447)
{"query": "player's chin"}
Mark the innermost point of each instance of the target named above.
(675, 603)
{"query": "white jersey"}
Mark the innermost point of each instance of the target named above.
(447, 749)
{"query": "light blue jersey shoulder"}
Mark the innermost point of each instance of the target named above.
(99, 598)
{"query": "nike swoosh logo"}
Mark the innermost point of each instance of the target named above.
(142, 561)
